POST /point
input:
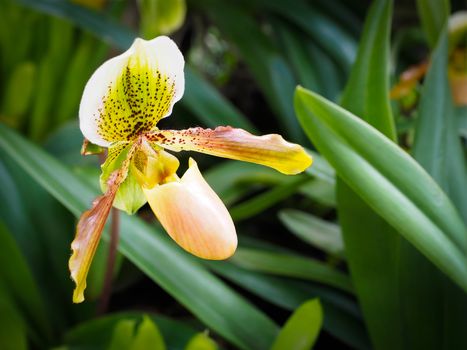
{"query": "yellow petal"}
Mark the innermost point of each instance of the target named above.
(270, 150)
(194, 216)
(152, 167)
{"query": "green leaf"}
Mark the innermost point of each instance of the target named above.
(313, 230)
(265, 200)
(336, 42)
(302, 328)
(289, 265)
(17, 282)
(201, 341)
(435, 303)
(97, 333)
(49, 76)
(394, 186)
(122, 335)
(433, 15)
(436, 146)
(374, 265)
(18, 93)
(147, 336)
(343, 319)
(13, 335)
(175, 271)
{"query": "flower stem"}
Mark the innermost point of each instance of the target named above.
(109, 271)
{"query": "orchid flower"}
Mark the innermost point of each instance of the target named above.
(121, 105)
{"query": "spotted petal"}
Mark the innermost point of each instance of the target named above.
(270, 150)
(194, 216)
(130, 93)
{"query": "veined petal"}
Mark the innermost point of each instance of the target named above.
(89, 230)
(270, 150)
(130, 93)
(194, 216)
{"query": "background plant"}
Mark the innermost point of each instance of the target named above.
(386, 257)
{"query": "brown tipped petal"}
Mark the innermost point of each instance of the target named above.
(89, 230)
(194, 216)
(88, 234)
(270, 150)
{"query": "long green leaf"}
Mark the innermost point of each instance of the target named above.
(439, 304)
(343, 319)
(394, 186)
(374, 264)
(289, 265)
(97, 332)
(313, 230)
(17, 281)
(13, 334)
(265, 200)
(198, 290)
(328, 34)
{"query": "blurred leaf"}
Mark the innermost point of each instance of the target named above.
(174, 270)
(374, 265)
(289, 265)
(343, 319)
(201, 341)
(265, 200)
(97, 333)
(209, 105)
(434, 302)
(161, 17)
(313, 230)
(16, 280)
(147, 336)
(87, 55)
(395, 186)
(49, 76)
(302, 328)
(13, 334)
(122, 335)
(102, 26)
(436, 146)
(433, 15)
(42, 238)
(337, 43)
(267, 66)
(312, 66)
(18, 93)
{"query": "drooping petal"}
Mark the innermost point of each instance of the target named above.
(88, 234)
(194, 216)
(89, 230)
(130, 93)
(270, 150)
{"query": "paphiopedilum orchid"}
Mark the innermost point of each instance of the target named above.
(121, 105)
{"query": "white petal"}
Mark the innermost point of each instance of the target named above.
(130, 93)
